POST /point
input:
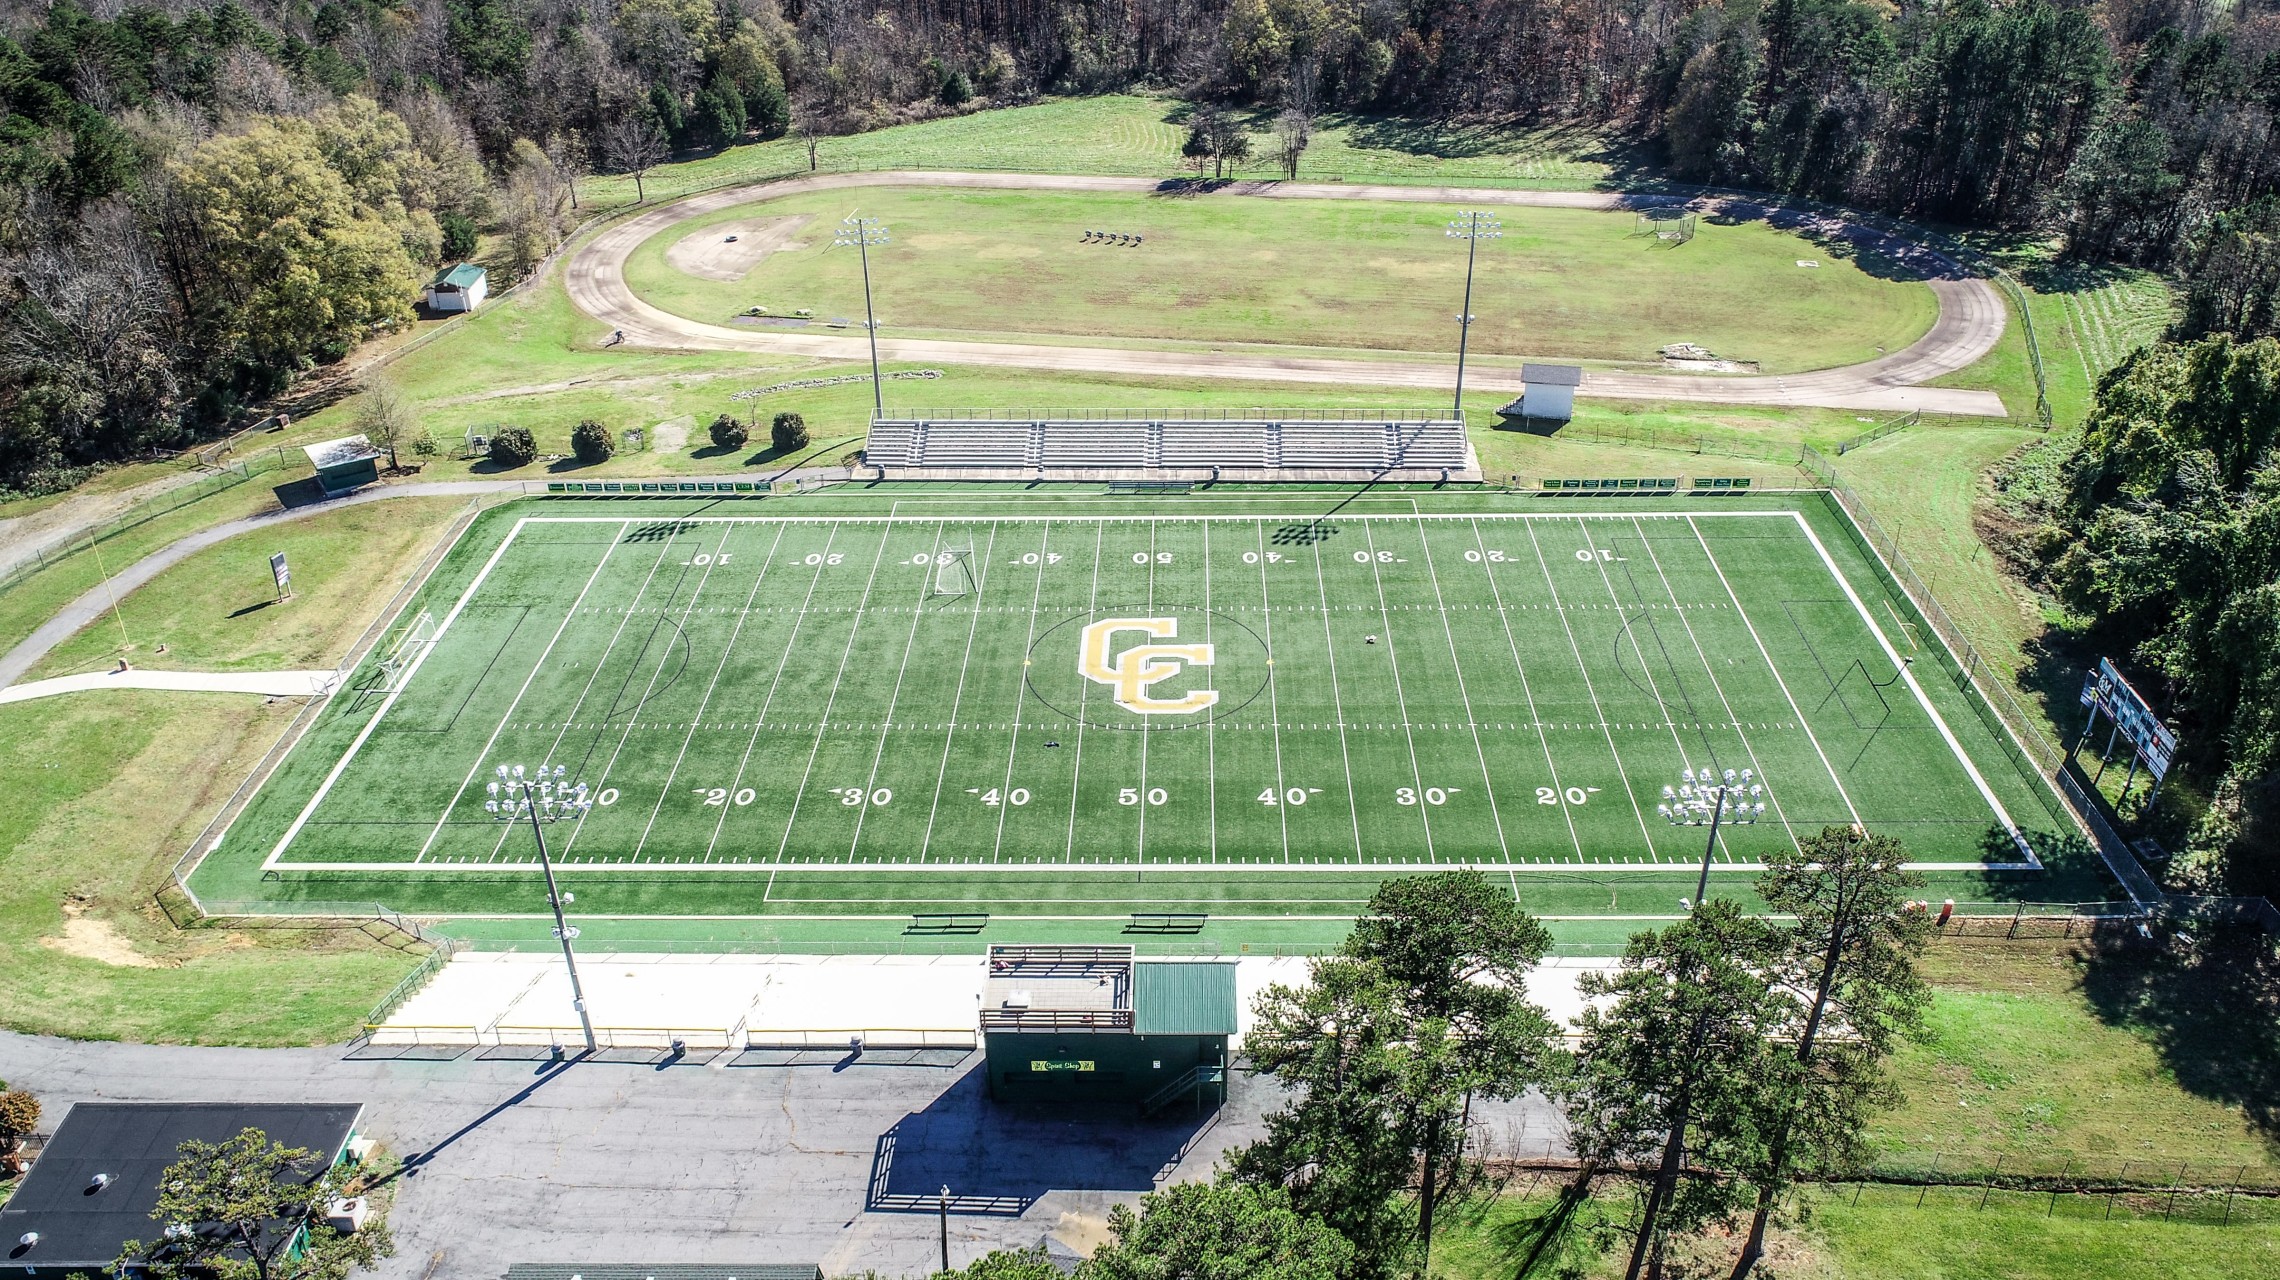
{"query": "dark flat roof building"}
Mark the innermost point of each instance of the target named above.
(96, 1181)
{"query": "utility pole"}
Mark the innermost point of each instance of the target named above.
(547, 797)
(860, 233)
(1472, 228)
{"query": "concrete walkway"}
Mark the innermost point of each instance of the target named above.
(276, 684)
(1970, 322)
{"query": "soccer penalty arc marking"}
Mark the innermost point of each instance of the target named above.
(1127, 659)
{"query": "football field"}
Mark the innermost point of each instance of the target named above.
(1046, 690)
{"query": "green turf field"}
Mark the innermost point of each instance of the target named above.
(864, 703)
(1575, 283)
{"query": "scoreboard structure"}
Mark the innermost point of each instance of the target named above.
(2131, 721)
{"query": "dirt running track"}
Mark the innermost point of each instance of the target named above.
(1970, 321)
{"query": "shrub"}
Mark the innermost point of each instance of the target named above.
(592, 442)
(459, 235)
(956, 89)
(789, 432)
(728, 433)
(513, 447)
(424, 445)
(19, 1115)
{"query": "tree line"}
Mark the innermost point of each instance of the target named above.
(140, 148)
(1727, 1059)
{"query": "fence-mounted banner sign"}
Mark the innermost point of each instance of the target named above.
(283, 575)
(2104, 690)
(1060, 1064)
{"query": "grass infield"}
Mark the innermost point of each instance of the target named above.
(866, 704)
(1573, 283)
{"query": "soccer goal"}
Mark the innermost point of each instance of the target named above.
(1667, 226)
(403, 651)
(953, 572)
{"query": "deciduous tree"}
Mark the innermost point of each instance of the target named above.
(252, 1209)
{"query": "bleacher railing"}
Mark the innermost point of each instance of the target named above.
(1191, 414)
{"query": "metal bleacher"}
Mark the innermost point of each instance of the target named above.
(1257, 444)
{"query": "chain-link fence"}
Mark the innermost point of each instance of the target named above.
(227, 477)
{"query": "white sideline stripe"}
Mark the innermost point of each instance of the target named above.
(1908, 673)
(1684, 866)
(442, 629)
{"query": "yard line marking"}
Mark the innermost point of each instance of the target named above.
(570, 717)
(1465, 696)
(578, 826)
(1527, 691)
(886, 725)
(1632, 633)
(1793, 707)
(725, 652)
(790, 644)
(1210, 724)
(1337, 701)
(1084, 692)
(1140, 852)
(341, 766)
(1274, 707)
(957, 699)
(1020, 692)
(1400, 699)
(1592, 690)
(823, 722)
(536, 667)
(1723, 700)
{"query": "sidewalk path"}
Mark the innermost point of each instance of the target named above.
(277, 684)
(1970, 322)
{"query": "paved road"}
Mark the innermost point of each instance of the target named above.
(773, 1159)
(275, 684)
(1970, 322)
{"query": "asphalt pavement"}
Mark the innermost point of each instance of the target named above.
(748, 1158)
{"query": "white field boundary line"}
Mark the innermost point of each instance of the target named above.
(1122, 868)
(276, 862)
(1908, 674)
(276, 854)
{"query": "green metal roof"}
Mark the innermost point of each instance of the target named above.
(464, 275)
(1183, 998)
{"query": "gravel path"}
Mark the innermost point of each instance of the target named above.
(1970, 322)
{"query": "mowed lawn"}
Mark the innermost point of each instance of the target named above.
(749, 693)
(1567, 283)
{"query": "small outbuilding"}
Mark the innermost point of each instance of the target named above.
(96, 1182)
(344, 464)
(1097, 1024)
(1547, 394)
(460, 287)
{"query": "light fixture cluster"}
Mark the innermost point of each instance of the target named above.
(546, 792)
(1702, 795)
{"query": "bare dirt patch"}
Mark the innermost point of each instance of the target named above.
(97, 940)
(728, 253)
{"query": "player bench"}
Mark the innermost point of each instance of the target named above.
(1711, 486)
(947, 922)
(1150, 486)
(1168, 922)
(605, 487)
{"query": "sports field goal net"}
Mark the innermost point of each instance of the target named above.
(1668, 226)
(953, 572)
(403, 651)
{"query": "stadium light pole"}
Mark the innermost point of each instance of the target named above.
(860, 233)
(1703, 796)
(1472, 228)
(543, 797)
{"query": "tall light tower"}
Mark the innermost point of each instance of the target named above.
(1703, 797)
(1472, 227)
(547, 796)
(860, 233)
